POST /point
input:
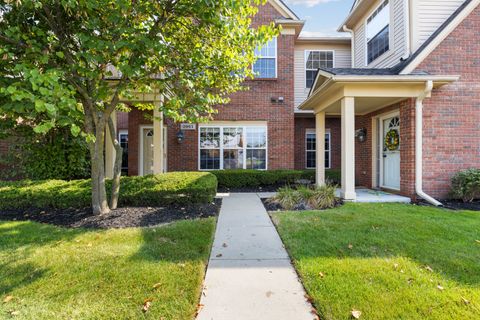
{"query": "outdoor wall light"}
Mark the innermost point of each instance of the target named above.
(180, 136)
(361, 134)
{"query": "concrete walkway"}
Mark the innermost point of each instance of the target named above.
(249, 275)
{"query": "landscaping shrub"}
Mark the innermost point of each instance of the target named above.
(307, 198)
(155, 190)
(466, 185)
(231, 179)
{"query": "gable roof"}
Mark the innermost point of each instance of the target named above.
(408, 65)
(282, 8)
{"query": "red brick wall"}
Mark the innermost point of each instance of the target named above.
(452, 115)
(301, 125)
(122, 121)
(135, 119)
(253, 105)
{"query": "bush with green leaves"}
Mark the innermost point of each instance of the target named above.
(154, 190)
(56, 155)
(466, 185)
(308, 198)
(231, 179)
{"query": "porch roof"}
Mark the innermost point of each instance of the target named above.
(372, 89)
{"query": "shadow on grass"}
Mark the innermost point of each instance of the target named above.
(446, 241)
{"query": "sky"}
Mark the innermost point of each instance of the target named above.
(322, 16)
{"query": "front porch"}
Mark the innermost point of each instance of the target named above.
(374, 109)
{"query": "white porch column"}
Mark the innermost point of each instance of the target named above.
(320, 136)
(110, 149)
(348, 149)
(157, 139)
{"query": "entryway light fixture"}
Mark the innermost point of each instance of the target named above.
(180, 136)
(361, 134)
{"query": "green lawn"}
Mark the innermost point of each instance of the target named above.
(48, 272)
(390, 261)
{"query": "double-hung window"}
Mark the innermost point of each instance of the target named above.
(311, 149)
(233, 147)
(315, 60)
(266, 64)
(378, 32)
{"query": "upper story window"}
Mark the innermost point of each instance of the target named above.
(266, 64)
(315, 60)
(378, 32)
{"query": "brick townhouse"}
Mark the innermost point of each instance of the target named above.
(396, 102)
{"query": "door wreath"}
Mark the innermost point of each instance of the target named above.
(392, 140)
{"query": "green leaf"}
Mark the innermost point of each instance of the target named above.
(75, 130)
(60, 54)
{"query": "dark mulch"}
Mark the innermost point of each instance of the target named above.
(460, 205)
(121, 218)
(273, 206)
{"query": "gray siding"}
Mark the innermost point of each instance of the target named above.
(342, 59)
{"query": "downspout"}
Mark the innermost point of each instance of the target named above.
(419, 145)
(345, 28)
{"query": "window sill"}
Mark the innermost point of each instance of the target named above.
(380, 59)
(263, 79)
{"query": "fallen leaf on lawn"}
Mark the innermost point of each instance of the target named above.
(439, 287)
(477, 241)
(14, 313)
(410, 280)
(465, 301)
(395, 265)
(224, 245)
(309, 299)
(157, 285)
(321, 274)
(7, 299)
(219, 255)
(182, 265)
(356, 314)
(89, 245)
(269, 294)
(350, 246)
(199, 307)
(146, 305)
(428, 268)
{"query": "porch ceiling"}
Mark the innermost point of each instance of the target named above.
(371, 92)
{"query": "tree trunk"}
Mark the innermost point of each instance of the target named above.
(117, 168)
(99, 194)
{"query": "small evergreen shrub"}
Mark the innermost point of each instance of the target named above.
(155, 190)
(231, 179)
(466, 185)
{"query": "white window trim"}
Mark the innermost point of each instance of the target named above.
(244, 130)
(305, 60)
(122, 132)
(140, 163)
(269, 57)
(327, 132)
(390, 37)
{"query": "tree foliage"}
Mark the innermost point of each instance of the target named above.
(71, 63)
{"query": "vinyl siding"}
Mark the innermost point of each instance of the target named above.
(398, 38)
(342, 59)
(428, 16)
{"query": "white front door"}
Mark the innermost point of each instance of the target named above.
(391, 153)
(147, 150)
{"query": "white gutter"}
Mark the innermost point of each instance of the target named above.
(419, 145)
(345, 28)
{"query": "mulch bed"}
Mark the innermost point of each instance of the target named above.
(125, 217)
(460, 205)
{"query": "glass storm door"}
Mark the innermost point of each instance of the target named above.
(147, 151)
(391, 153)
